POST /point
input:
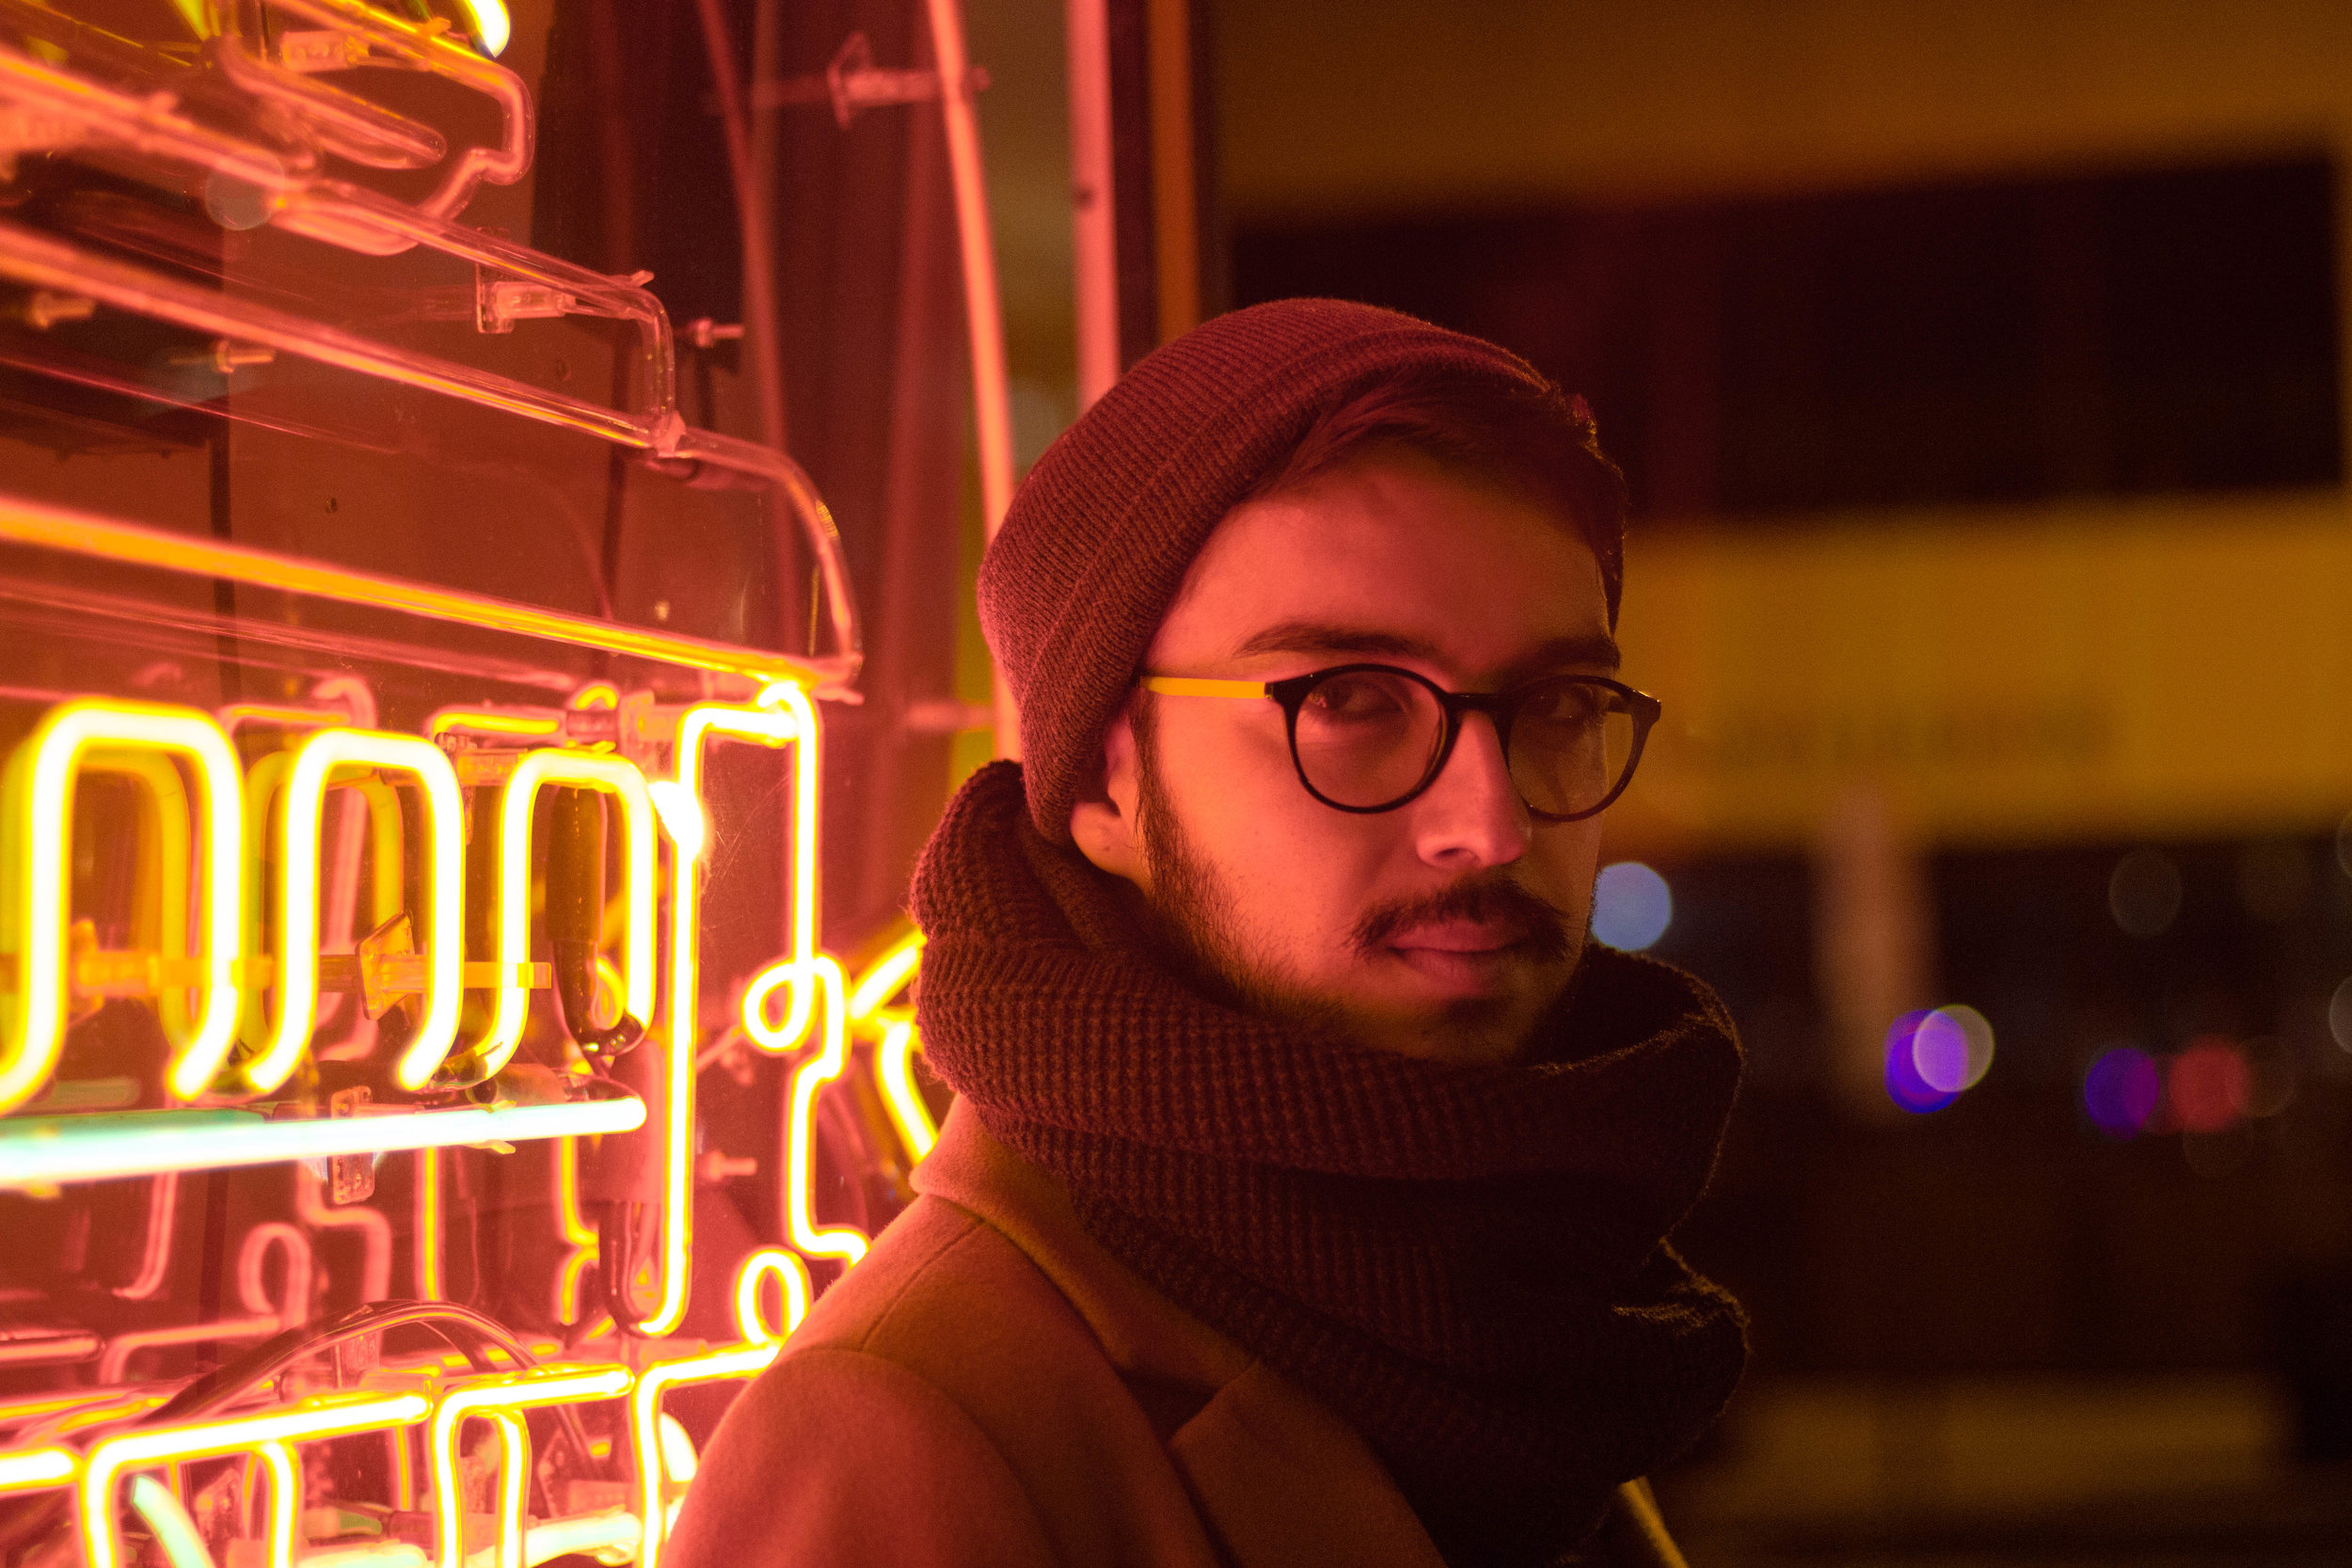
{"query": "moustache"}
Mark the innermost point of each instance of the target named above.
(1540, 927)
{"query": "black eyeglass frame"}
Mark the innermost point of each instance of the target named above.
(1500, 706)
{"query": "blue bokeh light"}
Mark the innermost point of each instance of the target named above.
(2120, 1091)
(1904, 1085)
(1632, 906)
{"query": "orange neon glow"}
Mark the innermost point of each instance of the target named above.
(492, 720)
(324, 1416)
(309, 769)
(646, 1432)
(892, 1029)
(620, 779)
(428, 1238)
(36, 802)
(27, 522)
(784, 717)
(36, 1468)
(807, 1079)
(498, 1398)
(579, 1235)
(183, 1544)
(791, 1276)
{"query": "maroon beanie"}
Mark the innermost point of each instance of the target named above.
(1100, 535)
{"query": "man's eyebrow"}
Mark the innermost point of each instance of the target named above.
(1594, 650)
(1324, 637)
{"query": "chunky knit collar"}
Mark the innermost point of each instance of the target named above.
(1468, 1263)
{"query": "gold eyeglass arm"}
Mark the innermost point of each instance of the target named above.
(1184, 686)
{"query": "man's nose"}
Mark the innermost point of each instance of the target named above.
(1472, 815)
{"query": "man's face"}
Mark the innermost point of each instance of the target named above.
(1443, 927)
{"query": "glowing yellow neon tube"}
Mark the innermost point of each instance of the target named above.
(894, 1050)
(37, 792)
(620, 779)
(308, 771)
(645, 1430)
(48, 1150)
(491, 25)
(894, 1069)
(579, 1235)
(492, 720)
(679, 801)
(809, 1077)
(885, 977)
(25, 522)
(497, 1399)
(791, 1276)
(327, 1416)
(183, 1544)
(36, 1468)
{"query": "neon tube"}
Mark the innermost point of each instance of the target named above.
(791, 718)
(579, 1235)
(44, 1150)
(894, 1072)
(620, 779)
(991, 404)
(326, 1415)
(791, 1276)
(894, 1042)
(39, 802)
(427, 1243)
(36, 260)
(183, 1544)
(312, 765)
(36, 1468)
(807, 1079)
(645, 1432)
(27, 522)
(498, 1398)
(610, 1529)
(885, 977)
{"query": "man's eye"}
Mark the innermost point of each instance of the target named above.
(1358, 699)
(1563, 705)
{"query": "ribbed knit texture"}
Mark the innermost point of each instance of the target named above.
(1468, 1263)
(1099, 536)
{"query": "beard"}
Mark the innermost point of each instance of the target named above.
(1192, 915)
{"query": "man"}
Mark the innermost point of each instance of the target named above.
(1306, 1196)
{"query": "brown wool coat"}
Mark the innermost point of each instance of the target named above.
(991, 1387)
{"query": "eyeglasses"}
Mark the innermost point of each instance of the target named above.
(1371, 737)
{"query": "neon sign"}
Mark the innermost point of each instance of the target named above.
(239, 940)
(367, 937)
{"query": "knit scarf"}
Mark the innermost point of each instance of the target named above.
(1467, 1263)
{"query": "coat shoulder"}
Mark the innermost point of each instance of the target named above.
(948, 1351)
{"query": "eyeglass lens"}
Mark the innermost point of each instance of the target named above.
(1368, 738)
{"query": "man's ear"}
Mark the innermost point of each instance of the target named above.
(1103, 823)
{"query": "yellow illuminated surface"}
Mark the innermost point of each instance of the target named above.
(645, 1430)
(327, 1416)
(36, 1468)
(791, 1277)
(312, 765)
(37, 799)
(804, 991)
(627, 785)
(892, 1030)
(490, 25)
(498, 1398)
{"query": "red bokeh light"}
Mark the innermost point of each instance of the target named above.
(2207, 1084)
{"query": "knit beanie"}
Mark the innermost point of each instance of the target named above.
(1097, 541)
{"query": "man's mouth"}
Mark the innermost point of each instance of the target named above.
(1467, 941)
(1468, 937)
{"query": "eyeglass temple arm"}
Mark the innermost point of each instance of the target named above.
(1183, 685)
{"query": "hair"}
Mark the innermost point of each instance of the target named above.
(1535, 445)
